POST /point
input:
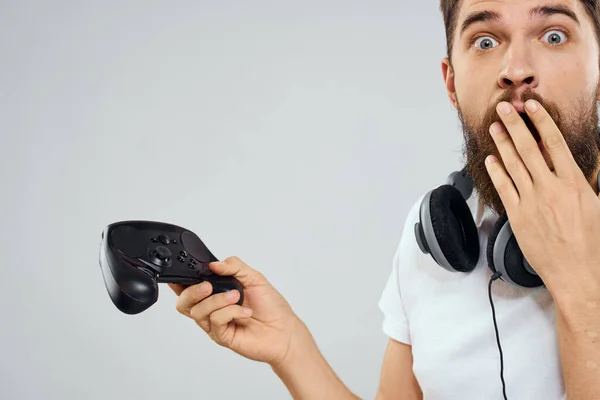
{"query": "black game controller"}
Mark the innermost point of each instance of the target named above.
(137, 255)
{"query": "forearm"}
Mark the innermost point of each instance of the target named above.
(578, 327)
(308, 376)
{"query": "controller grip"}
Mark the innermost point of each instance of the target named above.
(222, 284)
(131, 290)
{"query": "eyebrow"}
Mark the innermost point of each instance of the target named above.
(539, 11)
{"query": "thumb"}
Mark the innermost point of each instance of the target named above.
(233, 266)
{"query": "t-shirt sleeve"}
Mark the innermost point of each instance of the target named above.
(395, 319)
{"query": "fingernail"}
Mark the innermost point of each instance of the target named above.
(203, 287)
(504, 107)
(495, 128)
(530, 105)
(231, 294)
(490, 159)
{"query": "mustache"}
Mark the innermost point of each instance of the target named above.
(578, 122)
(512, 96)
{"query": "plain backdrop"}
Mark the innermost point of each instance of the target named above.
(294, 135)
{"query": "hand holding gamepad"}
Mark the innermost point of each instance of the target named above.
(269, 332)
(137, 255)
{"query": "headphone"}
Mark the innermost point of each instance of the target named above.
(447, 231)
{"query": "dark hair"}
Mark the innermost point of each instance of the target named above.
(450, 8)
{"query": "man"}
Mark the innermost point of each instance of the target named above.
(539, 165)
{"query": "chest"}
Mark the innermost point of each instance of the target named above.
(454, 341)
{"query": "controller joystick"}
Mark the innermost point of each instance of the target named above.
(135, 256)
(161, 256)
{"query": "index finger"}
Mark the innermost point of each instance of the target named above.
(552, 139)
(233, 266)
(178, 289)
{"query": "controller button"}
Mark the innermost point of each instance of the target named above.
(195, 247)
(154, 240)
(193, 261)
(184, 253)
(181, 259)
(164, 239)
(192, 266)
(174, 241)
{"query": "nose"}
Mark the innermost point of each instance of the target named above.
(518, 69)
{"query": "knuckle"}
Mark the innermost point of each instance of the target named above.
(197, 314)
(179, 306)
(541, 118)
(200, 309)
(516, 166)
(503, 136)
(553, 142)
(194, 313)
(233, 260)
(208, 306)
(513, 119)
(259, 276)
(526, 151)
(204, 325)
(503, 187)
(256, 278)
(214, 318)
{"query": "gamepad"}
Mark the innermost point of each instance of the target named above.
(135, 256)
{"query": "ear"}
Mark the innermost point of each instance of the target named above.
(448, 75)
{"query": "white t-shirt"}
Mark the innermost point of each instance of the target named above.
(447, 319)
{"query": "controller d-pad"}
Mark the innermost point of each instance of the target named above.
(164, 239)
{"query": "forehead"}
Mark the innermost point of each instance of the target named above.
(509, 10)
(521, 4)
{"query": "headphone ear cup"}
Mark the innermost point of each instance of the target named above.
(447, 231)
(492, 241)
(505, 256)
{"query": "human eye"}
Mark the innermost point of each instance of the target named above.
(483, 42)
(555, 37)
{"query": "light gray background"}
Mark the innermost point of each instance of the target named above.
(295, 135)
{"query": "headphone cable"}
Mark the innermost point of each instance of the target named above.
(493, 278)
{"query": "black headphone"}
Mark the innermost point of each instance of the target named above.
(447, 231)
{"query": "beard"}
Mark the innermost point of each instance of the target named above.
(579, 128)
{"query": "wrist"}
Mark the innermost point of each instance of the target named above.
(305, 372)
(302, 347)
(576, 299)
